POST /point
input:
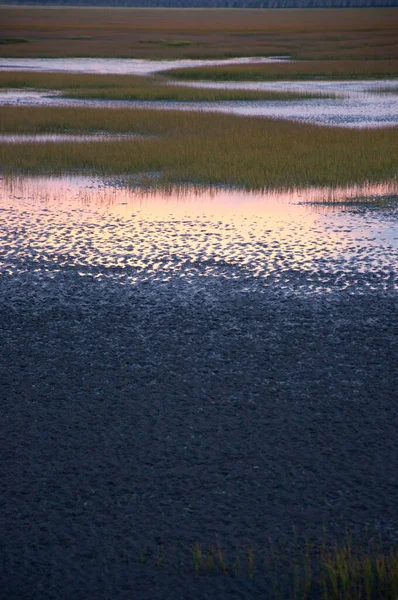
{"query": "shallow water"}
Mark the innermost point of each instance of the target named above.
(63, 137)
(119, 66)
(358, 104)
(287, 241)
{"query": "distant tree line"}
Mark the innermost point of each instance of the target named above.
(213, 3)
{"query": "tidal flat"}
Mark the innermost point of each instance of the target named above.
(199, 325)
(193, 367)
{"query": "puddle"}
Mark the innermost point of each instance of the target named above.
(105, 229)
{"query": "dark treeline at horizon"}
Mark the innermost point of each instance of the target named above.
(211, 3)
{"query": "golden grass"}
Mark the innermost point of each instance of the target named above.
(327, 69)
(130, 87)
(200, 33)
(340, 572)
(202, 148)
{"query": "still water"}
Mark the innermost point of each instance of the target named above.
(358, 104)
(292, 241)
(119, 66)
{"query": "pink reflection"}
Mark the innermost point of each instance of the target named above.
(106, 228)
(118, 197)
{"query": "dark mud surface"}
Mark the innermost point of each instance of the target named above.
(150, 415)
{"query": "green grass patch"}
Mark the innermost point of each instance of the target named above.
(126, 87)
(252, 153)
(332, 69)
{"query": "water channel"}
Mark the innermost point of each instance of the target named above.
(357, 103)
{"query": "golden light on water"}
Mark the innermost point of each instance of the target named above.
(106, 228)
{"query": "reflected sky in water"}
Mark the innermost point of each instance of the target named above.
(121, 66)
(288, 240)
(358, 104)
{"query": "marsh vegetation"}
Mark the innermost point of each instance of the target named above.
(317, 69)
(133, 87)
(345, 570)
(202, 148)
(327, 34)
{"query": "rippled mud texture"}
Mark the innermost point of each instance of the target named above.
(181, 369)
(109, 230)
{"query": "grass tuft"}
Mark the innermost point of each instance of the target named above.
(331, 572)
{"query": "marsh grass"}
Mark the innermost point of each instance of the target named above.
(325, 69)
(393, 90)
(187, 94)
(4, 41)
(369, 34)
(171, 43)
(204, 148)
(332, 572)
(128, 87)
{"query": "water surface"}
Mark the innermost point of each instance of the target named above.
(119, 66)
(20, 138)
(111, 229)
(358, 105)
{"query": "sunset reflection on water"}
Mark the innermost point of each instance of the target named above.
(108, 228)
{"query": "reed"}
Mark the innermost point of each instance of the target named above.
(205, 33)
(129, 87)
(202, 148)
(331, 572)
(393, 90)
(190, 94)
(326, 69)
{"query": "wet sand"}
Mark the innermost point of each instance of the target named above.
(203, 406)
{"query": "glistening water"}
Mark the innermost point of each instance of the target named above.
(357, 103)
(294, 242)
(120, 66)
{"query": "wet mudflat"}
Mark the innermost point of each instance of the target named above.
(190, 367)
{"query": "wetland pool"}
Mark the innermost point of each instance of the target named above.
(120, 66)
(297, 241)
(357, 103)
